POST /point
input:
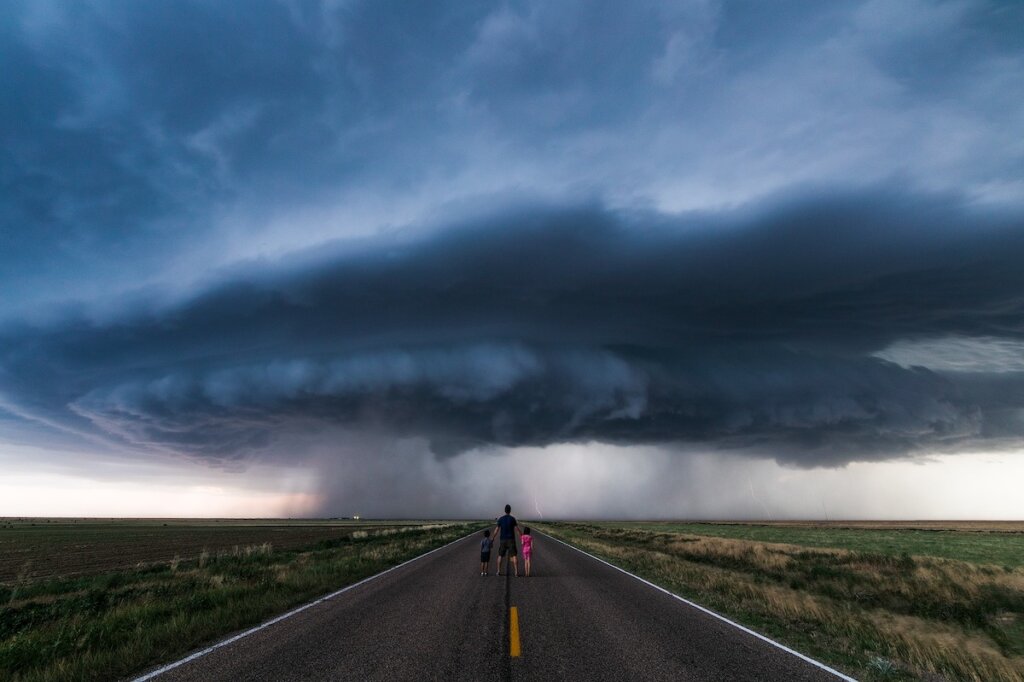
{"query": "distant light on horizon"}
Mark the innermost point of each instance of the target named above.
(584, 481)
(54, 495)
(957, 354)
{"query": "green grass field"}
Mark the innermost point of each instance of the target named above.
(878, 601)
(103, 621)
(954, 541)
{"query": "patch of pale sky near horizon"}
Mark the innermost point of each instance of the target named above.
(46, 482)
(958, 354)
(596, 480)
(42, 495)
(559, 481)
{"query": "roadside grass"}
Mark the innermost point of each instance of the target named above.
(875, 615)
(1003, 548)
(113, 625)
(36, 548)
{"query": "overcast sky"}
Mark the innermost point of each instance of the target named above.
(705, 259)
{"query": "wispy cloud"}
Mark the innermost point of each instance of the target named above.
(149, 144)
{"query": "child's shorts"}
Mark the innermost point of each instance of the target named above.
(485, 557)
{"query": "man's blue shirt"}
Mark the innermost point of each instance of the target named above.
(507, 524)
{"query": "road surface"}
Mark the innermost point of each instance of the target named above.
(436, 618)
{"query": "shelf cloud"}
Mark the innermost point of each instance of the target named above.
(762, 329)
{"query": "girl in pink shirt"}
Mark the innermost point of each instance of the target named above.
(527, 541)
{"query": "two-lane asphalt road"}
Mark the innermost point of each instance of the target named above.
(437, 618)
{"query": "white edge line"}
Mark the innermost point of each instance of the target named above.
(289, 614)
(711, 613)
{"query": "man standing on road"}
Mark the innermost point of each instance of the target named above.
(506, 531)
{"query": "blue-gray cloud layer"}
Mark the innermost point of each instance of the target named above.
(145, 144)
(518, 224)
(756, 329)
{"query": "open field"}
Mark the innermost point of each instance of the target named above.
(102, 599)
(110, 624)
(982, 542)
(32, 548)
(882, 603)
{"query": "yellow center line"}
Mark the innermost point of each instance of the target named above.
(513, 632)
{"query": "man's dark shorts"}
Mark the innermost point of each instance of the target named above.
(507, 545)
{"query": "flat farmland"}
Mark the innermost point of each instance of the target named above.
(103, 599)
(32, 549)
(999, 543)
(934, 601)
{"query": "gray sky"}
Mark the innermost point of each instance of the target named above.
(376, 254)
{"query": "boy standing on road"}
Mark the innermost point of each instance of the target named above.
(485, 552)
(506, 531)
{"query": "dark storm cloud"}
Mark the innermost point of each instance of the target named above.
(127, 127)
(755, 329)
(149, 142)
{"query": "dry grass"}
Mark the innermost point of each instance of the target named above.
(876, 616)
(963, 526)
(109, 626)
(992, 542)
(44, 548)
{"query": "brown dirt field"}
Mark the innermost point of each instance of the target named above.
(33, 549)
